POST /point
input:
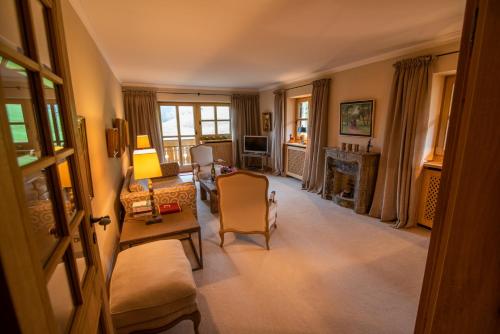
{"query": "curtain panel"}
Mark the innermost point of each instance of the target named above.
(398, 182)
(278, 132)
(316, 137)
(141, 112)
(245, 118)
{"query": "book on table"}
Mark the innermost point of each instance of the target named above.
(170, 208)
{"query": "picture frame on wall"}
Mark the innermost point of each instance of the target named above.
(267, 121)
(356, 118)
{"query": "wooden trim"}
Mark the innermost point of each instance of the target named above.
(18, 58)
(195, 317)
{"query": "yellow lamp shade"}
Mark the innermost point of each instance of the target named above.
(143, 141)
(64, 177)
(146, 164)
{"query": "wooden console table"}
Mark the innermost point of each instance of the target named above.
(180, 225)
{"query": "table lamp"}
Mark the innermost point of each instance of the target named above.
(65, 181)
(143, 142)
(147, 166)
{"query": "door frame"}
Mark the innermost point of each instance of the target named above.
(22, 270)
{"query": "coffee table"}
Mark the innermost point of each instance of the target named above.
(180, 225)
(207, 186)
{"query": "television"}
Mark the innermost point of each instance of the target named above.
(255, 144)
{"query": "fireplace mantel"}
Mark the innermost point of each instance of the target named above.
(349, 178)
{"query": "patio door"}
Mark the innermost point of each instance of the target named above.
(50, 274)
(178, 133)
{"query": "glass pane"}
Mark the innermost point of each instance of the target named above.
(207, 112)
(63, 171)
(42, 42)
(208, 128)
(41, 212)
(222, 112)
(9, 26)
(223, 128)
(187, 143)
(168, 121)
(304, 109)
(80, 252)
(56, 127)
(171, 148)
(60, 296)
(186, 120)
(15, 89)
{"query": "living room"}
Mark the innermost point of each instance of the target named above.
(231, 167)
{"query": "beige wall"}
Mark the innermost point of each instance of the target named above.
(98, 98)
(372, 81)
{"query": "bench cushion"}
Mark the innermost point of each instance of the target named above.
(150, 283)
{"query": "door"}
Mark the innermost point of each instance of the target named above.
(52, 276)
(178, 133)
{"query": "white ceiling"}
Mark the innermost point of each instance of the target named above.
(256, 43)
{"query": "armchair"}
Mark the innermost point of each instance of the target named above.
(245, 206)
(201, 161)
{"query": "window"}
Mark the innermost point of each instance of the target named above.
(215, 121)
(17, 126)
(302, 117)
(444, 116)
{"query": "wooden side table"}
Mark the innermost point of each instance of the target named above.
(181, 225)
(209, 187)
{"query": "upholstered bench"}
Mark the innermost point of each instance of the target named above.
(152, 288)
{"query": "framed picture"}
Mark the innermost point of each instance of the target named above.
(122, 126)
(267, 124)
(82, 137)
(356, 118)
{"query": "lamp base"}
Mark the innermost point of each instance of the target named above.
(154, 220)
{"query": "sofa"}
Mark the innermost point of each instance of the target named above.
(168, 188)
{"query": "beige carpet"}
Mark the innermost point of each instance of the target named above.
(329, 270)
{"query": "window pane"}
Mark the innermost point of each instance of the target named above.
(186, 120)
(207, 113)
(15, 90)
(222, 112)
(63, 171)
(187, 143)
(208, 128)
(171, 149)
(168, 120)
(41, 212)
(61, 297)
(42, 42)
(9, 26)
(56, 128)
(14, 113)
(223, 128)
(80, 252)
(304, 109)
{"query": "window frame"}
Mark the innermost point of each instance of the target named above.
(298, 119)
(215, 120)
(444, 116)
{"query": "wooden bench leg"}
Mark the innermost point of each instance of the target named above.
(196, 321)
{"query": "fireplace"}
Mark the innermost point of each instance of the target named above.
(350, 178)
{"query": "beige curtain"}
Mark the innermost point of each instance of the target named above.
(141, 112)
(316, 137)
(398, 181)
(278, 132)
(245, 118)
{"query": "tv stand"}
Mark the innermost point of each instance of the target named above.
(261, 156)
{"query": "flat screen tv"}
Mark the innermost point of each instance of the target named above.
(255, 144)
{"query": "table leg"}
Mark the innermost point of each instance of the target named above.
(203, 193)
(199, 258)
(214, 205)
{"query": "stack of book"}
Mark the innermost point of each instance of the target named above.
(141, 209)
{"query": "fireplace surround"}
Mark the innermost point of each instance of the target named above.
(349, 178)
